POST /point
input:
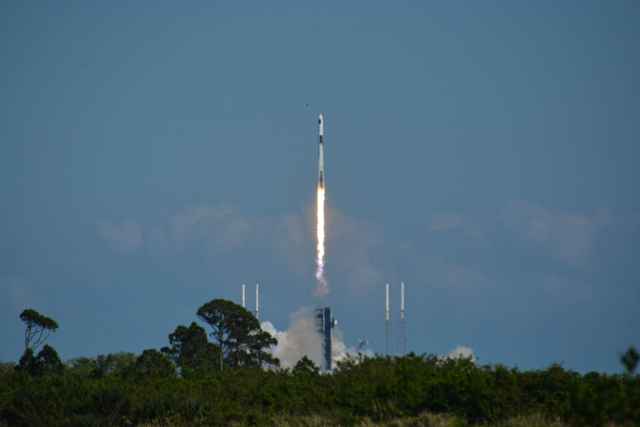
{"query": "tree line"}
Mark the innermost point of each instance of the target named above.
(228, 376)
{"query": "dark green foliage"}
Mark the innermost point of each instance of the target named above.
(305, 366)
(630, 360)
(38, 328)
(82, 366)
(381, 389)
(237, 334)
(113, 364)
(47, 362)
(6, 369)
(27, 362)
(122, 389)
(191, 352)
(152, 363)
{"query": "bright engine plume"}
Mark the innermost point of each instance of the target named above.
(322, 287)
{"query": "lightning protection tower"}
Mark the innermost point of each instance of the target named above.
(387, 320)
(258, 301)
(403, 322)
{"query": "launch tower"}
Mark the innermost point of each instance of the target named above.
(324, 324)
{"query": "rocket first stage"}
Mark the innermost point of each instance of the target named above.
(321, 151)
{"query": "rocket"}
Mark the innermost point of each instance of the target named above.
(321, 151)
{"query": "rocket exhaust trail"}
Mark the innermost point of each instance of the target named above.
(322, 287)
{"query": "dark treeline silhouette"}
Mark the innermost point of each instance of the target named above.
(234, 380)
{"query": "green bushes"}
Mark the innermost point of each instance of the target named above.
(377, 389)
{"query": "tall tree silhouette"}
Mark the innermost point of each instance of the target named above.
(630, 359)
(38, 328)
(191, 351)
(238, 334)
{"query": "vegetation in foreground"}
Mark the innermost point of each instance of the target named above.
(233, 380)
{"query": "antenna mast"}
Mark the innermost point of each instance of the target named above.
(387, 320)
(403, 322)
(258, 301)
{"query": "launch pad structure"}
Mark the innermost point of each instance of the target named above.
(324, 324)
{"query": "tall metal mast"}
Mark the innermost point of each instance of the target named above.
(258, 301)
(387, 320)
(403, 322)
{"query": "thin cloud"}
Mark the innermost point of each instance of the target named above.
(441, 273)
(220, 227)
(126, 237)
(469, 227)
(446, 222)
(569, 237)
(294, 242)
(352, 243)
(352, 248)
(18, 292)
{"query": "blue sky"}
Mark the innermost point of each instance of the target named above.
(156, 155)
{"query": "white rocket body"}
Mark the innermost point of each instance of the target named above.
(321, 151)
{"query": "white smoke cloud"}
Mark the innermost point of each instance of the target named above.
(302, 339)
(461, 352)
(340, 351)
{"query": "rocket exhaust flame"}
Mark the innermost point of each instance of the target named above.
(322, 288)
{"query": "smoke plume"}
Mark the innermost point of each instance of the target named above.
(302, 339)
(462, 352)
